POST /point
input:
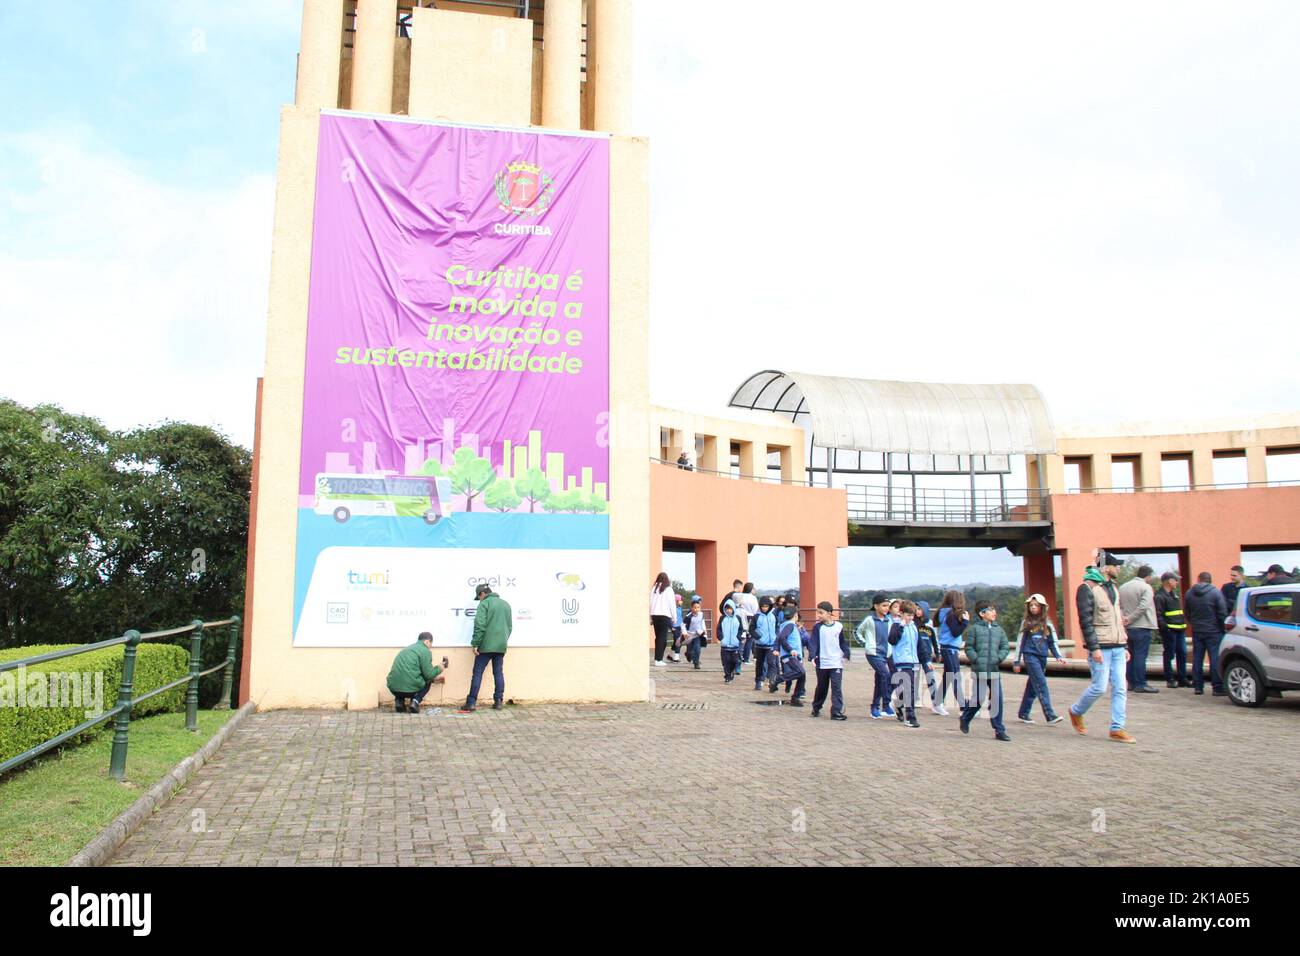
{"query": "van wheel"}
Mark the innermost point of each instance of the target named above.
(432, 517)
(341, 515)
(1245, 689)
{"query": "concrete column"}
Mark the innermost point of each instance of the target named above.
(1202, 467)
(562, 64)
(609, 63)
(748, 465)
(1051, 470)
(1256, 464)
(1101, 471)
(1148, 470)
(1040, 577)
(709, 456)
(320, 51)
(818, 575)
(1073, 561)
(717, 564)
(372, 56)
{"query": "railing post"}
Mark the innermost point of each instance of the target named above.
(228, 681)
(196, 665)
(122, 722)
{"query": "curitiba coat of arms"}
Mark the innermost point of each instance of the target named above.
(524, 189)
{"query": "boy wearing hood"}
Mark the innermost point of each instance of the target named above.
(1206, 611)
(764, 641)
(1102, 625)
(729, 640)
(789, 648)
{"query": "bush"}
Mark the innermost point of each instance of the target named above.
(22, 728)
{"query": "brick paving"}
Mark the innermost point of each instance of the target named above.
(738, 783)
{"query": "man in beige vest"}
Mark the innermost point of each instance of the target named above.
(1102, 625)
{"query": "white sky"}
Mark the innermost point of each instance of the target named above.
(1099, 200)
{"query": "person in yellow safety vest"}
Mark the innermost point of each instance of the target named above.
(1173, 630)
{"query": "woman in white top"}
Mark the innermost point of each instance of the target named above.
(663, 608)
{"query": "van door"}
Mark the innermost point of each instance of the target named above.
(1273, 626)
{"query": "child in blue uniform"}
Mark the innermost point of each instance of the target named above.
(729, 640)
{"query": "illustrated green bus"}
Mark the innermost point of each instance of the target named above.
(405, 496)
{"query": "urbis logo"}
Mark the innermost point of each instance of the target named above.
(524, 189)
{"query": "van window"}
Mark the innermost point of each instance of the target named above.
(1277, 607)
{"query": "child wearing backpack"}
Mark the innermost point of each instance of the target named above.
(729, 640)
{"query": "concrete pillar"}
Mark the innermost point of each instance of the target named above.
(748, 465)
(609, 64)
(1256, 464)
(1040, 577)
(717, 564)
(1100, 468)
(319, 54)
(1073, 561)
(562, 64)
(1148, 470)
(1202, 467)
(709, 456)
(818, 575)
(372, 56)
(1051, 470)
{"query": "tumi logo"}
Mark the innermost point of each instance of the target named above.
(76, 909)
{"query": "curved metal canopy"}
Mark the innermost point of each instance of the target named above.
(919, 417)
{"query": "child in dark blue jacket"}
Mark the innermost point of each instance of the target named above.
(729, 638)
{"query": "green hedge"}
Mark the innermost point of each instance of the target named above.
(22, 728)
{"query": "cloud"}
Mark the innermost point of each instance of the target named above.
(1097, 205)
(127, 299)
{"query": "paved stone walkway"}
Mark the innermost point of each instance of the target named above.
(739, 783)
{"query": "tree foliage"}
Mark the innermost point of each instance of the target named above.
(102, 531)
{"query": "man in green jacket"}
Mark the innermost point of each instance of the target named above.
(413, 673)
(986, 647)
(492, 626)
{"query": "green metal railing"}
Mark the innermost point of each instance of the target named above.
(120, 714)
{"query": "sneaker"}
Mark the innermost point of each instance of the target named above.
(1077, 723)
(758, 687)
(1001, 735)
(939, 710)
(1184, 683)
(726, 680)
(965, 726)
(1055, 719)
(399, 707)
(887, 712)
(1220, 693)
(796, 702)
(467, 709)
(1122, 736)
(677, 658)
(1198, 691)
(414, 708)
(496, 705)
(1171, 683)
(1025, 720)
(697, 665)
(901, 718)
(914, 723)
(815, 712)
(660, 664)
(1145, 690)
(875, 713)
(839, 716)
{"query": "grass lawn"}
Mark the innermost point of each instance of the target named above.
(57, 804)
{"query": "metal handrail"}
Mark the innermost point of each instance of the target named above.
(728, 474)
(121, 712)
(1218, 486)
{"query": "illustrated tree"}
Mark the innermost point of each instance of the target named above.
(431, 467)
(562, 501)
(501, 496)
(470, 475)
(533, 488)
(595, 504)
